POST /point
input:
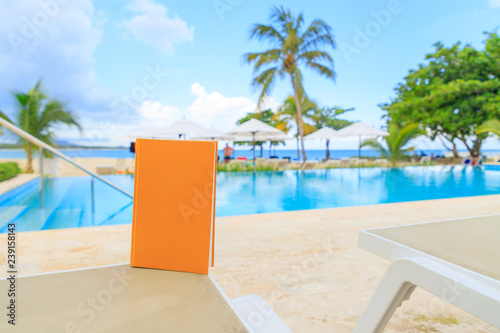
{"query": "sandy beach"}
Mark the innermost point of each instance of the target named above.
(305, 264)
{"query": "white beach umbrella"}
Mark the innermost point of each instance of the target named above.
(214, 135)
(326, 133)
(323, 133)
(256, 130)
(178, 129)
(361, 129)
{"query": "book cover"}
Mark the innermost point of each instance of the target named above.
(173, 222)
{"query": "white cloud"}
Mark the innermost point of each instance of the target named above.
(54, 40)
(152, 26)
(155, 111)
(215, 109)
(208, 109)
(495, 3)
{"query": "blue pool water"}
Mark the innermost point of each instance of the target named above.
(68, 201)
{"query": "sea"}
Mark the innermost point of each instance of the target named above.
(312, 154)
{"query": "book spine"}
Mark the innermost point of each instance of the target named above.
(136, 189)
(213, 205)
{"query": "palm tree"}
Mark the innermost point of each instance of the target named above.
(1, 128)
(292, 46)
(492, 125)
(327, 117)
(395, 142)
(39, 115)
(288, 113)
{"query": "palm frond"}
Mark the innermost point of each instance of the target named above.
(492, 126)
(265, 81)
(262, 31)
(262, 58)
(318, 33)
(375, 145)
(322, 69)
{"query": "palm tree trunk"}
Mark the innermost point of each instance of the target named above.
(29, 158)
(298, 153)
(327, 149)
(300, 124)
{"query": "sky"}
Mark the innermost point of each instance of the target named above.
(129, 66)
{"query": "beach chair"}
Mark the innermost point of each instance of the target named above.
(124, 299)
(309, 165)
(461, 268)
(380, 162)
(282, 164)
(361, 161)
(260, 161)
(332, 163)
(272, 163)
(353, 161)
(105, 169)
(345, 161)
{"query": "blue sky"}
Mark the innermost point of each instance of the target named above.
(133, 65)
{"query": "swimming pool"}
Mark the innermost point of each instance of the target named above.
(68, 201)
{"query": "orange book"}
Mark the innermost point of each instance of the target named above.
(173, 221)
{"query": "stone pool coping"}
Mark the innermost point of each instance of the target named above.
(21, 179)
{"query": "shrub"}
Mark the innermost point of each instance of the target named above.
(8, 170)
(236, 167)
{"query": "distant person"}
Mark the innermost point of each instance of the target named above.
(433, 157)
(416, 157)
(228, 151)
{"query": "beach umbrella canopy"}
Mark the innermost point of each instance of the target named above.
(361, 129)
(256, 130)
(214, 135)
(262, 137)
(178, 129)
(323, 133)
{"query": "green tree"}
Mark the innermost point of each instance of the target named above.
(452, 94)
(292, 46)
(39, 115)
(288, 114)
(328, 117)
(490, 126)
(393, 145)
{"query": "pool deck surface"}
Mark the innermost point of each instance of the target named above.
(305, 264)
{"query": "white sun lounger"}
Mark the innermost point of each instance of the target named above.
(124, 299)
(456, 260)
(309, 165)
